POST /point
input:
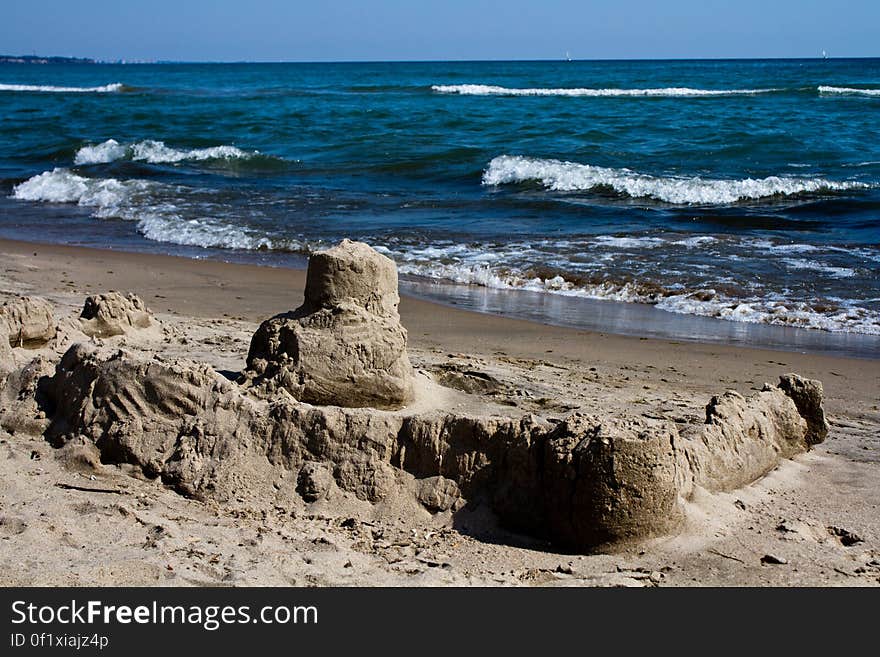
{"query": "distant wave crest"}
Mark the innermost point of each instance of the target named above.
(849, 91)
(155, 152)
(562, 176)
(491, 90)
(107, 88)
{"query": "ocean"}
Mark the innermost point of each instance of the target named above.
(734, 201)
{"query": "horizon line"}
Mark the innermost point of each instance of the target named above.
(123, 60)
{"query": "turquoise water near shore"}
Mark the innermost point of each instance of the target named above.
(743, 191)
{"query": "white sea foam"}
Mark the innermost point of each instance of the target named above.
(562, 176)
(793, 248)
(108, 151)
(492, 90)
(698, 240)
(847, 319)
(107, 195)
(152, 205)
(205, 233)
(155, 152)
(629, 242)
(849, 91)
(107, 88)
(767, 245)
(814, 265)
(511, 279)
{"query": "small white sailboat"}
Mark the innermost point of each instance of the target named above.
(824, 55)
(567, 56)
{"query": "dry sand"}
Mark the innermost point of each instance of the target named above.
(125, 530)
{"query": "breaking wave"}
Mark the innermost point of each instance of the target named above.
(156, 152)
(670, 92)
(152, 205)
(557, 175)
(107, 195)
(107, 88)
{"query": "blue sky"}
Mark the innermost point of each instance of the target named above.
(344, 30)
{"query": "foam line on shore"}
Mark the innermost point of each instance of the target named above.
(779, 311)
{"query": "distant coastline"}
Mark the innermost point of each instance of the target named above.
(40, 59)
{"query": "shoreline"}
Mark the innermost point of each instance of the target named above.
(596, 316)
(212, 289)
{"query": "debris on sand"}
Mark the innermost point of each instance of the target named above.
(846, 537)
(773, 560)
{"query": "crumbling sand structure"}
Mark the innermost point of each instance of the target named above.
(27, 322)
(323, 412)
(107, 315)
(344, 346)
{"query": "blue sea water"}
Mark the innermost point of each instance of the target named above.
(745, 193)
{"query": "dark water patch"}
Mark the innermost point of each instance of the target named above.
(739, 221)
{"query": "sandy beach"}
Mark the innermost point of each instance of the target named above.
(813, 520)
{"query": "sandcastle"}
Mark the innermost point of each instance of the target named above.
(302, 427)
(344, 346)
